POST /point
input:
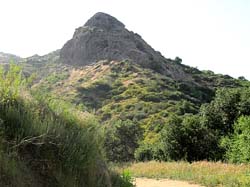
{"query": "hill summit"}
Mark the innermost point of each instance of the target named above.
(103, 37)
(105, 22)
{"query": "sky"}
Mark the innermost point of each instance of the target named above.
(207, 34)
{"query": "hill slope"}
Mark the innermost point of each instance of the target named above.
(6, 58)
(112, 72)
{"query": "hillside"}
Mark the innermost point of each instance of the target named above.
(46, 142)
(132, 89)
(141, 89)
(5, 58)
(126, 91)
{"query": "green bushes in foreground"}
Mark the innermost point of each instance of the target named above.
(47, 143)
(238, 146)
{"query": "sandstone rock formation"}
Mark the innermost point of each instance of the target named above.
(104, 37)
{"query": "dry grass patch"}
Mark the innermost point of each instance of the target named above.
(210, 174)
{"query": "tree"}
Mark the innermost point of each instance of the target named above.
(242, 78)
(178, 60)
(171, 140)
(222, 112)
(239, 144)
(188, 139)
(121, 140)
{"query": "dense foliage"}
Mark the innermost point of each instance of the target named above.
(238, 145)
(219, 131)
(148, 115)
(122, 140)
(185, 138)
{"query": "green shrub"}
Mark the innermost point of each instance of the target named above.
(121, 140)
(56, 77)
(147, 152)
(127, 178)
(144, 153)
(185, 138)
(123, 180)
(239, 144)
(10, 82)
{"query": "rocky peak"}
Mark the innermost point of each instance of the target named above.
(103, 37)
(104, 21)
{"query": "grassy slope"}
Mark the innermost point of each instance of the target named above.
(52, 145)
(48, 142)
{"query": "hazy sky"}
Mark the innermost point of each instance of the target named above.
(208, 34)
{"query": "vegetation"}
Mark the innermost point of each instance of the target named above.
(150, 116)
(210, 174)
(47, 142)
(185, 138)
(121, 140)
(60, 124)
(62, 131)
(238, 147)
(212, 134)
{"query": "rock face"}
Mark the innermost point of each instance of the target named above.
(103, 37)
(104, 21)
(6, 58)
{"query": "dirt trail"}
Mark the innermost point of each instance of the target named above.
(144, 182)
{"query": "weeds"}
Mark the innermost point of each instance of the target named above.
(128, 179)
(46, 142)
(210, 174)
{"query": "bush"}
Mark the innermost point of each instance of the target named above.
(147, 152)
(187, 139)
(221, 114)
(10, 83)
(239, 144)
(121, 140)
(144, 153)
(125, 180)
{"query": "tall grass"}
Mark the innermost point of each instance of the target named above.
(210, 174)
(55, 144)
(14, 173)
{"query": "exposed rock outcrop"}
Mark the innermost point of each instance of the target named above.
(104, 37)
